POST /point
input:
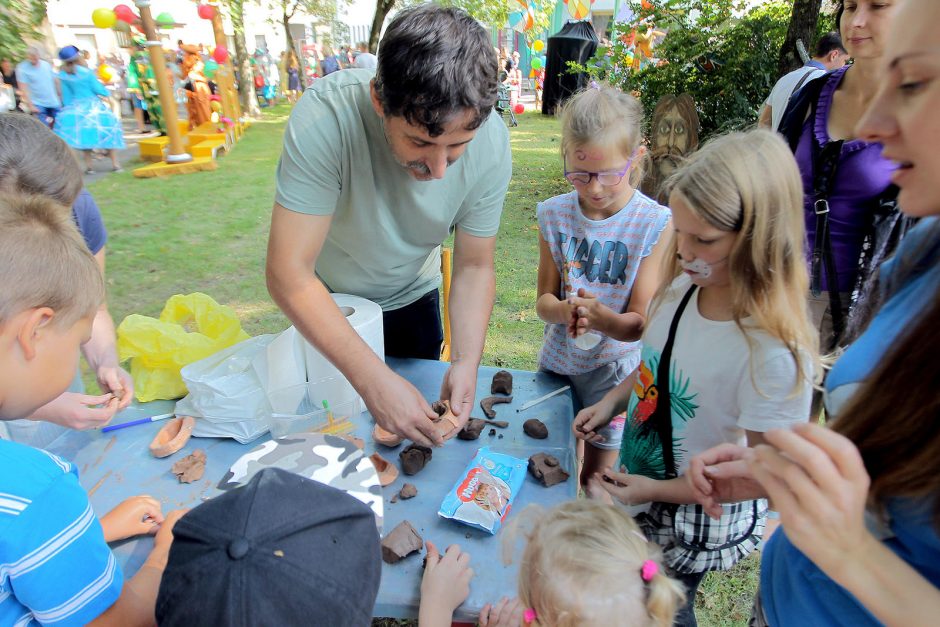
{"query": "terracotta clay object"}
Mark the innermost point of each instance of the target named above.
(408, 491)
(191, 467)
(387, 471)
(447, 424)
(487, 404)
(359, 442)
(547, 469)
(535, 428)
(502, 383)
(414, 458)
(386, 438)
(502, 424)
(401, 541)
(472, 430)
(173, 436)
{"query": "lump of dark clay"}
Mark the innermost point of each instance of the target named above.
(487, 404)
(191, 467)
(401, 541)
(502, 383)
(535, 428)
(472, 430)
(414, 458)
(439, 408)
(492, 432)
(408, 491)
(547, 469)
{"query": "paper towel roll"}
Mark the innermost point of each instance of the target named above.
(325, 381)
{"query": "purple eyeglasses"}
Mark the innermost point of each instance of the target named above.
(607, 179)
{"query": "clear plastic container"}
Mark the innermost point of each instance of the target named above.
(299, 409)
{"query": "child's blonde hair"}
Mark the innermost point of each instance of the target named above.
(749, 183)
(34, 160)
(44, 262)
(583, 565)
(606, 116)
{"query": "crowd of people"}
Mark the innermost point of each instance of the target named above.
(695, 335)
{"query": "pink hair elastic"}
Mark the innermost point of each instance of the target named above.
(649, 570)
(594, 85)
(529, 615)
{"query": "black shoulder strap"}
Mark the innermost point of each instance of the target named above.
(791, 124)
(661, 418)
(825, 164)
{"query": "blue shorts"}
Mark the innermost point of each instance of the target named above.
(47, 115)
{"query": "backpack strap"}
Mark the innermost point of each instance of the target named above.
(791, 124)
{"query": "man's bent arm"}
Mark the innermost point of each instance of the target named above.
(294, 244)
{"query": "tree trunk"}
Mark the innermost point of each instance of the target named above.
(246, 84)
(382, 7)
(288, 37)
(803, 23)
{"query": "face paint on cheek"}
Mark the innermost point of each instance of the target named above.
(579, 155)
(700, 268)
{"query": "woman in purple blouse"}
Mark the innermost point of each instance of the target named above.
(860, 176)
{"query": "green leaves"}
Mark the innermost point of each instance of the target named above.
(19, 20)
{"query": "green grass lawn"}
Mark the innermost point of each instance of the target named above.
(207, 232)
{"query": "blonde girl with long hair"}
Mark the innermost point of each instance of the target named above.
(600, 254)
(729, 351)
(585, 564)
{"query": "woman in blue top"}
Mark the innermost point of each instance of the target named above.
(859, 503)
(85, 122)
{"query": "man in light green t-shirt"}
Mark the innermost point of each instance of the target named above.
(376, 172)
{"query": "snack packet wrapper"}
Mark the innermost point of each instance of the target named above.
(483, 495)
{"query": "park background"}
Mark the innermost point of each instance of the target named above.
(208, 231)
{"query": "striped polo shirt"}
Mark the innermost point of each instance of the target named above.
(55, 567)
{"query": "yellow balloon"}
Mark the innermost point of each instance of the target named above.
(105, 73)
(103, 18)
(538, 45)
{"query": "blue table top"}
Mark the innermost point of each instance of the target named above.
(117, 465)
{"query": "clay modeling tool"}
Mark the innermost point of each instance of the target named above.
(139, 421)
(329, 414)
(540, 399)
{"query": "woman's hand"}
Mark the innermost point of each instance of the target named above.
(118, 382)
(78, 411)
(817, 481)
(138, 515)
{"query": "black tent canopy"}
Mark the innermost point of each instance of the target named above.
(577, 42)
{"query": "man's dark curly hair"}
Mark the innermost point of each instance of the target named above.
(435, 62)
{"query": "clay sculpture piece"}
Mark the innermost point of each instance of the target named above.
(448, 425)
(492, 432)
(387, 471)
(535, 428)
(547, 469)
(386, 438)
(401, 541)
(502, 383)
(487, 404)
(173, 436)
(408, 491)
(414, 458)
(359, 442)
(473, 429)
(191, 467)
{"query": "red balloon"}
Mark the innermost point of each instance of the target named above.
(206, 11)
(125, 13)
(519, 108)
(220, 54)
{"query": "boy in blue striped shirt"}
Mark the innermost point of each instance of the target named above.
(55, 565)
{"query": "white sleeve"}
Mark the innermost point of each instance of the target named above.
(769, 396)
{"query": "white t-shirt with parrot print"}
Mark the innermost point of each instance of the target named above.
(720, 386)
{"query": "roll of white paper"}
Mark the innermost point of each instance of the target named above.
(324, 380)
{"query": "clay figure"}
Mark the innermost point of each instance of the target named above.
(547, 469)
(408, 491)
(191, 467)
(173, 436)
(502, 383)
(535, 428)
(386, 438)
(387, 471)
(401, 541)
(414, 458)
(448, 424)
(502, 424)
(472, 430)
(487, 404)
